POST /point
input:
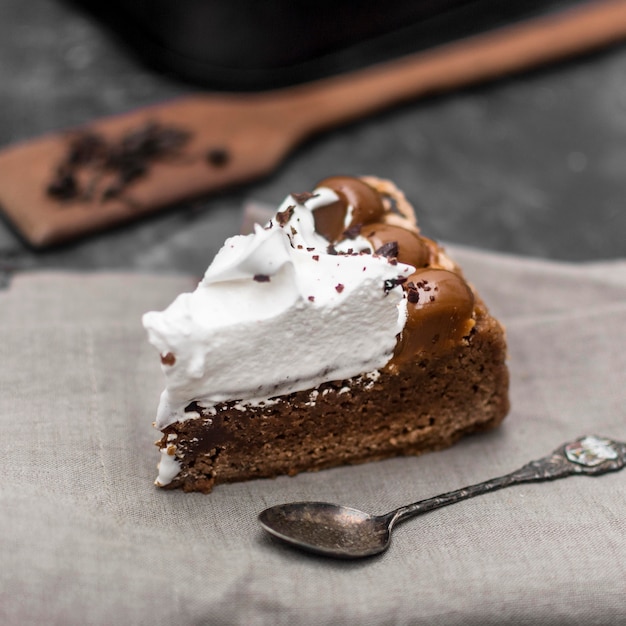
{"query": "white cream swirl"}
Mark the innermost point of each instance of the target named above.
(277, 313)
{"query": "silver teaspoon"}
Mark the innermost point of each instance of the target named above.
(348, 533)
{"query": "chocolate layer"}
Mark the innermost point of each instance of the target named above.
(426, 405)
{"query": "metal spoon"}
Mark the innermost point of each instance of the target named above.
(348, 533)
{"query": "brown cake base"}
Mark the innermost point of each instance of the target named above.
(432, 402)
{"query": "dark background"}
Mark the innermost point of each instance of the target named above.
(533, 164)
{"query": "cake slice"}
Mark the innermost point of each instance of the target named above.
(335, 334)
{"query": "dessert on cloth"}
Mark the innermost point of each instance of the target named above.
(335, 334)
(85, 538)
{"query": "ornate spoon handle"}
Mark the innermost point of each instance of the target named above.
(590, 455)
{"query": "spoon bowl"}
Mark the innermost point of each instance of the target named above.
(329, 529)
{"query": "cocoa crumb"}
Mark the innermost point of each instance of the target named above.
(311, 298)
(63, 186)
(389, 249)
(413, 296)
(353, 232)
(282, 217)
(218, 157)
(301, 198)
(85, 147)
(316, 257)
(261, 278)
(168, 359)
(126, 159)
(390, 283)
(339, 287)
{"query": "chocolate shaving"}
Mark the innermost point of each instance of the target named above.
(218, 157)
(413, 295)
(85, 148)
(261, 278)
(126, 160)
(282, 217)
(339, 287)
(353, 232)
(168, 359)
(390, 283)
(389, 249)
(64, 185)
(316, 257)
(301, 198)
(112, 191)
(311, 298)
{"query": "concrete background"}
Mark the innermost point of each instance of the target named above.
(532, 164)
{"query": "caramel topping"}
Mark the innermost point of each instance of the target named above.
(440, 306)
(366, 202)
(411, 249)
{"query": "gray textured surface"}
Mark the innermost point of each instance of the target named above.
(533, 165)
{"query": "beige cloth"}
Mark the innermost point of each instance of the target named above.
(85, 537)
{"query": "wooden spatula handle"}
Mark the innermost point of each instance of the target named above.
(509, 49)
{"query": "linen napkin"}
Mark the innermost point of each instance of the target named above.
(86, 538)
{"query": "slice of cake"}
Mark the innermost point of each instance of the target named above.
(335, 334)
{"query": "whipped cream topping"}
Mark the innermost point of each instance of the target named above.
(278, 311)
(168, 466)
